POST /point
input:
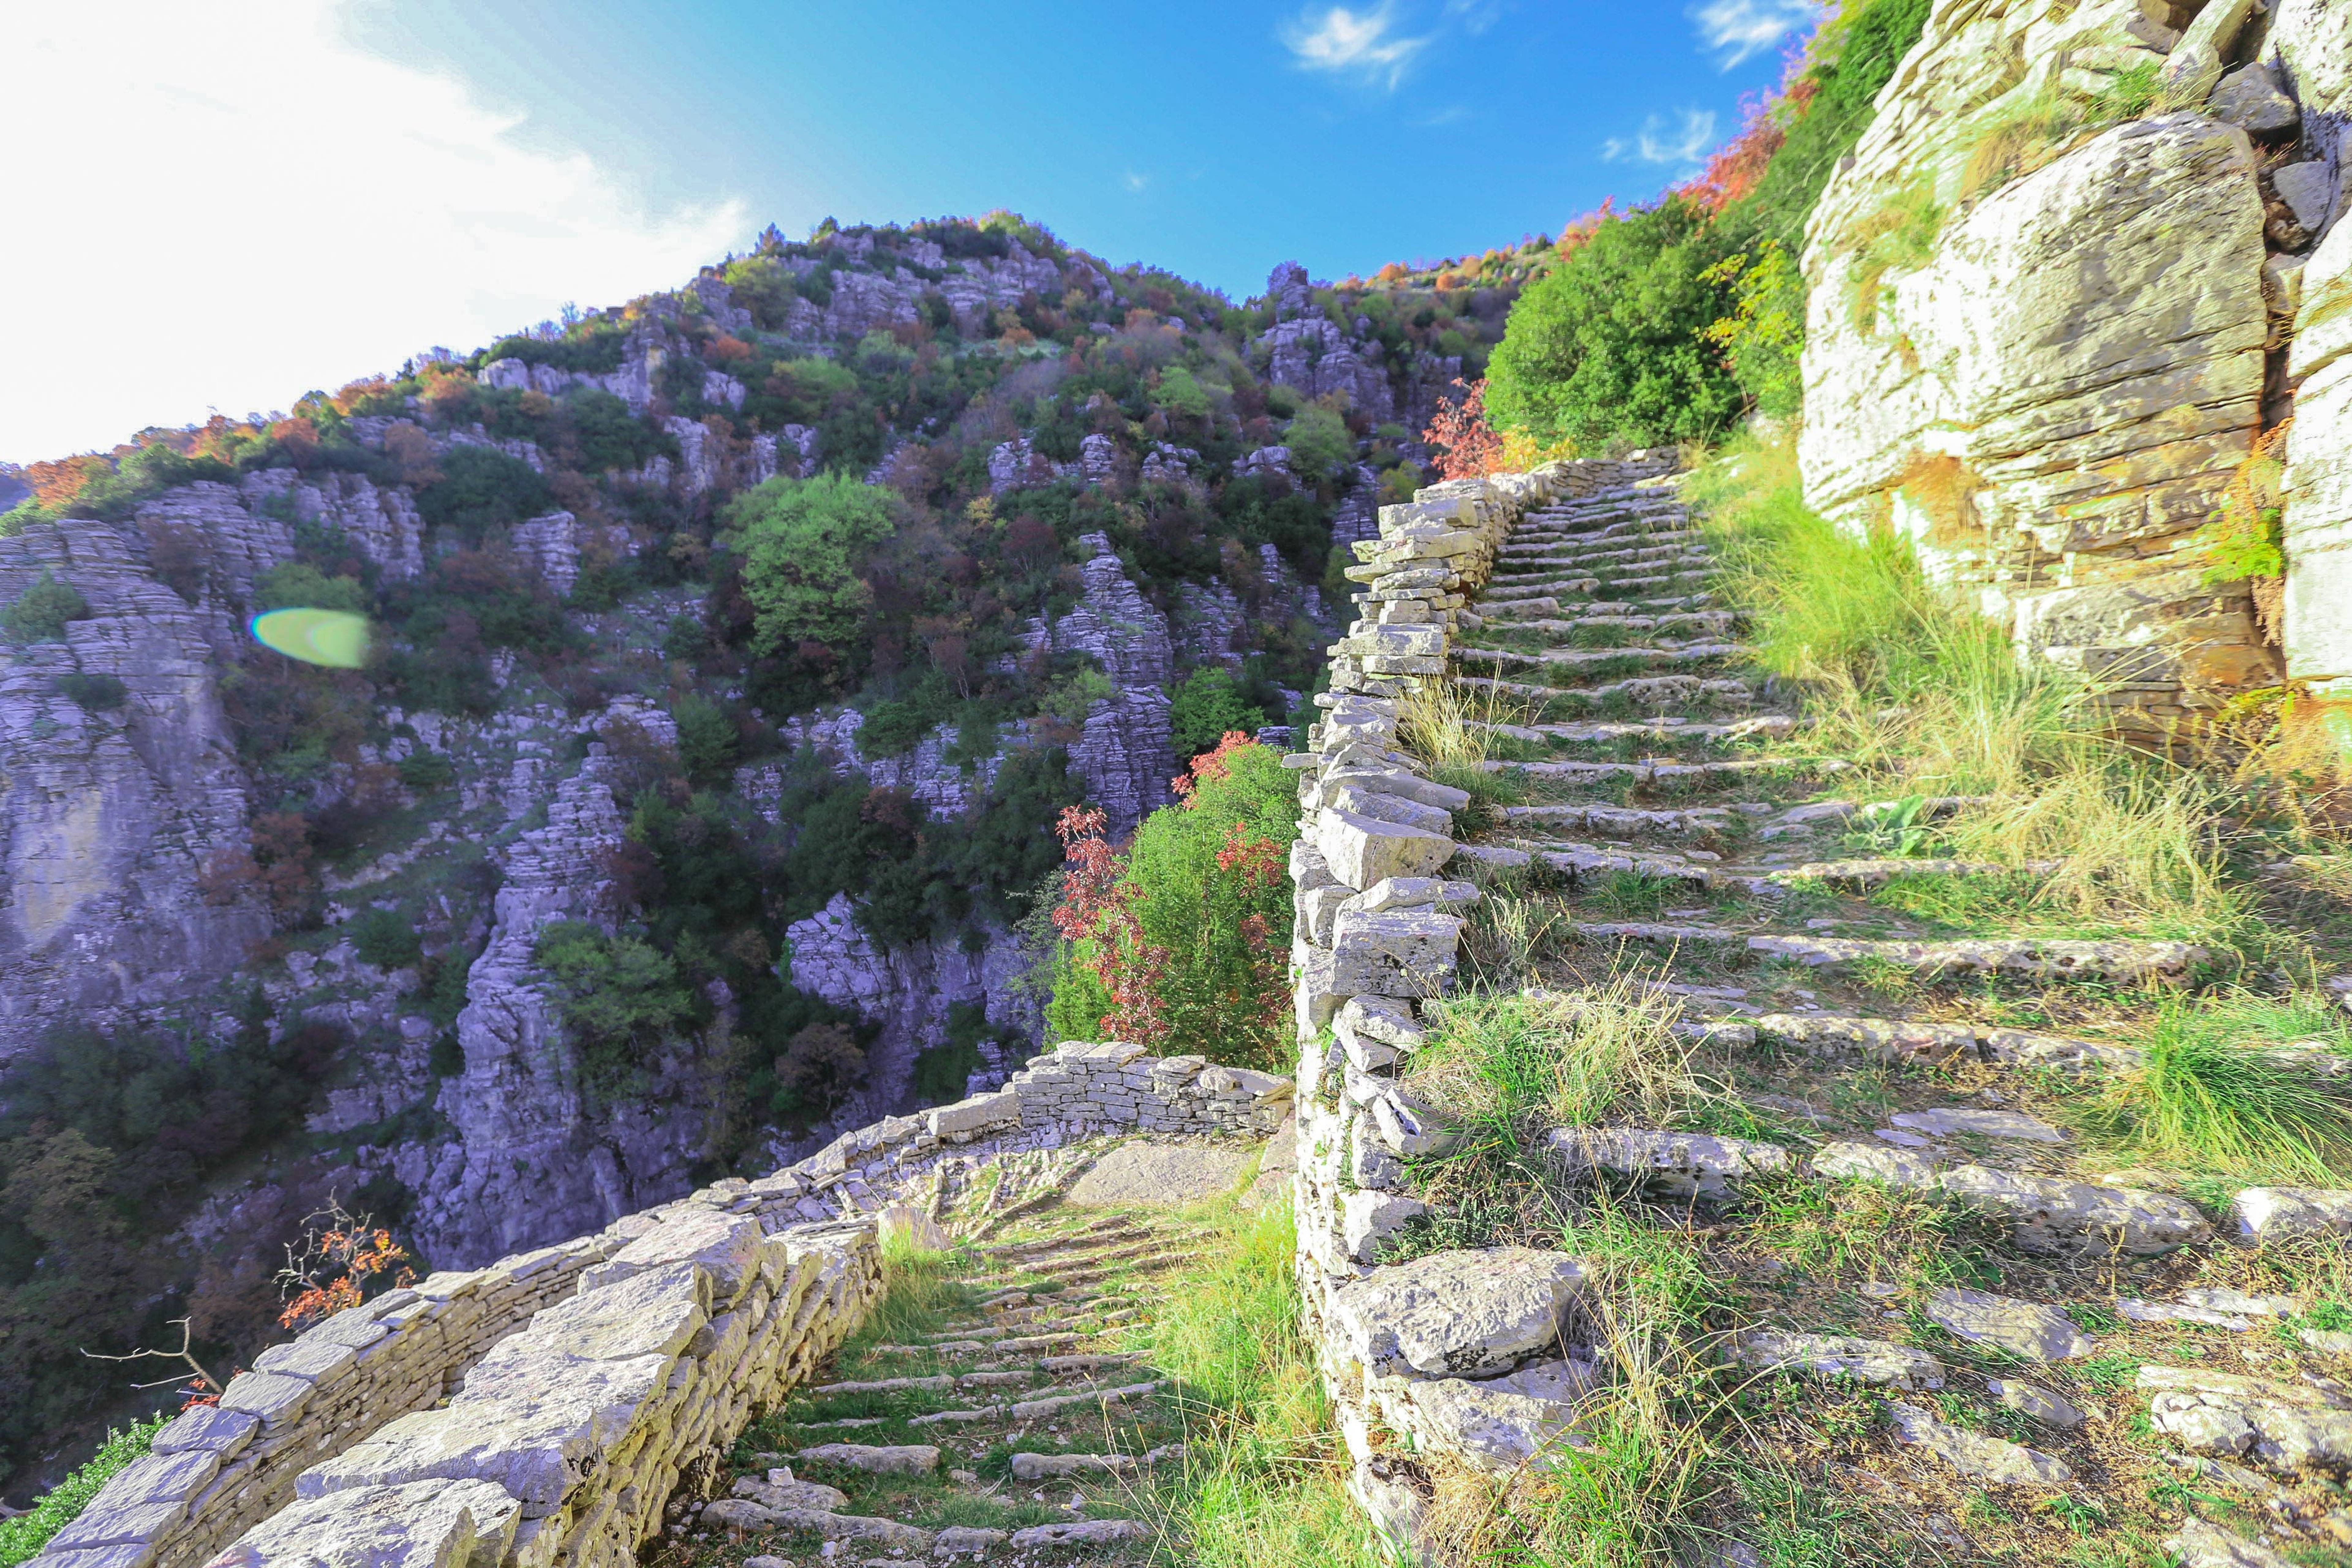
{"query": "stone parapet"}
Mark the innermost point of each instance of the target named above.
(543, 1409)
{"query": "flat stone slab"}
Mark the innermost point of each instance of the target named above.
(1158, 1176)
(1880, 1363)
(1945, 1121)
(904, 1460)
(1465, 1313)
(1974, 1455)
(2022, 1327)
(2037, 1402)
(417, 1524)
(2288, 1427)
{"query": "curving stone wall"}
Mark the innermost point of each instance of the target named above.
(1376, 932)
(544, 1410)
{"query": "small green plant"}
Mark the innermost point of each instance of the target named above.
(95, 693)
(22, 1538)
(421, 769)
(42, 610)
(1900, 236)
(1899, 827)
(386, 939)
(2210, 1095)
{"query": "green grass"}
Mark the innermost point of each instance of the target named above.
(1263, 1483)
(2210, 1099)
(22, 1538)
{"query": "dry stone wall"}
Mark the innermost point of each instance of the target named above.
(1457, 1352)
(544, 1410)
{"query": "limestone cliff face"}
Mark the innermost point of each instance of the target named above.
(2047, 379)
(107, 815)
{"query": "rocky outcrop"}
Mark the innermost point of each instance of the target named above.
(906, 992)
(535, 1158)
(110, 815)
(554, 544)
(2048, 379)
(382, 522)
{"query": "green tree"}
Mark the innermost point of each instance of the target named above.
(482, 487)
(1180, 392)
(1182, 945)
(707, 741)
(298, 585)
(620, 995)
(1611, 344)
(803, 542)
(1205, 707)
(42, 610)
(1320, 442)
(762, 286)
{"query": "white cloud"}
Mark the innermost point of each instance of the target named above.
(238, 206)
(1354, 43)
(1736, 30)
(1687, 145)
(1475, 16)
(1135, 182)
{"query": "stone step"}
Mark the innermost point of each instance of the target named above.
(1894, 1040)
(1674, 728)
(2035, 958)
(1708, 623)
(1599, 816)
(1036, 1467)
(1655, 547)
(1537, 601)
(1665, 770)
(2049, 1215)
(1595, 657)
(1651, 690)
(1043, 1405)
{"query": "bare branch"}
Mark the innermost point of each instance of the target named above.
(184, 1354)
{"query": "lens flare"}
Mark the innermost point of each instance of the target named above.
(336, 639)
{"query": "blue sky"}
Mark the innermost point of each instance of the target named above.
(353, 180)
(1213, 139)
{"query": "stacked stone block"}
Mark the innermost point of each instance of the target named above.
(542, 1410)
(219, 1469)
(1376, 930)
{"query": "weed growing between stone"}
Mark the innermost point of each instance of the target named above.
(22, 1537)
(2229, 1086)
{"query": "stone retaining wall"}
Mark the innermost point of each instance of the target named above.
(1376, 930)
(541, 1411)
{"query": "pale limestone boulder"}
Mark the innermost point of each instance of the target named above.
(2292, 1211)
(2289, 1427)
(2053, 404)
(782, 1489)
(1397, 952)
(2318, 521)
(1879, 1363)
(2201, 1546)
(1364, 850)
(2028, 1328)
(2036, 1402)
(421, 1524)
(1497, 1424)
(1974, 1455)
(1458, 1314)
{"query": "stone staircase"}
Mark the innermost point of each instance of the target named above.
(2097, 1347)
(1001, 1410)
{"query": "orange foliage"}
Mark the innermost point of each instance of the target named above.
(374, 395)
(1467, 446)
(335, 1266)
(1739, 162)
(56, 483)
(726, 350)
